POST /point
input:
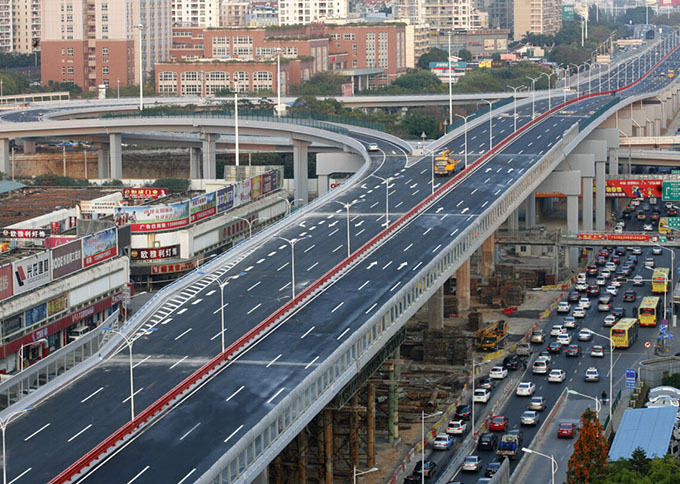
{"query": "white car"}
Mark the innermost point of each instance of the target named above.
(592, 375)
(498, 372)
(557, 330)
(564, 339)
(456, 427)
(581, 286)
(610, 266)
(637, 251)
(563, 307)
(525, 389)
(615, 283)
(647, 227)
(609, 320)
(569, 322)
(612, 290)
(584, 302)
(606, 273)
(637, 280)
(579, 312)
(597, 351)
(481, 395)
(373, 147)
(557, 376)
(656, 250)
(601, 281)
(649, 262)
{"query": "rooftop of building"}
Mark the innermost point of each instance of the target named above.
(648, 428)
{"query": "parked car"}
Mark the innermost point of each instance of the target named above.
(529, 417)
(487, 441)
(557, 376)
(525, 389)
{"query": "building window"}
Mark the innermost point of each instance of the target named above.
(105, 51)
(348, 37)
(167, 76)
(70, 71)
(69, 52)
(189, 76)
(105, 70)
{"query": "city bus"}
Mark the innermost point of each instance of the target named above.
(650, 310)
(624, 333)
(660, 280)
(663, 226)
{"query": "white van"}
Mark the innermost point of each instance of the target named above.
(581, 277)
(78, 332)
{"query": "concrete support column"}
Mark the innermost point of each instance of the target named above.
(263, 478)
(194, 163)
(300, 172)
(103, 167)
(209, 141)
(463, 286)
(116, 155)
(613, 157)
(572, 227)
(513, 221)
(370, 426)
(488, 256)
(354, 432)
(5, 161)
(530, 211)
(587, 204)
(29, 146)
(322, 184)
(435, 309)
(600, 218)
(392, 407)
(302, 457)
(328, 445)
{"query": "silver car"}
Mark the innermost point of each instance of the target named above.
(472, 463)
(529, 417)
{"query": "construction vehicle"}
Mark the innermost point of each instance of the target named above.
(444, 165)
(508, 446)
(671, 73)
(490, 337)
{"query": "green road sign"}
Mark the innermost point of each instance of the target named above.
(662, 239)
(671, 191)
(674, 223)
(675, 172)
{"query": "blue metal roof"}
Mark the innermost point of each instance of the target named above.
(8, 186)
(648, 428)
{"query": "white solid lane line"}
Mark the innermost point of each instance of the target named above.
(436, 248)
(311, 362)
(187, 476)
(234, 433)
(254, 286)
(275, 395)
(140, 362)
(343, 334)
(273, 361)
(395, 286)
(308, 331)
(235, 393)
(337, 307)
(178, 337)
(91, 395)
(76, 435)
(178, 362)
(36, 432)
(260, 304)
(189, 431)
(139, 474)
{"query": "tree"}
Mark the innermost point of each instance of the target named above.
(639, 461)
(589, 460)
(324, 83)
(496, 57)
(465, 54)
(435, 55)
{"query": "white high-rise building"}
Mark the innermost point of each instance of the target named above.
(196, 13)
(293, 12)
(19, 25)
(441, 14)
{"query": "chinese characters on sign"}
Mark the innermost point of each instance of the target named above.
(144, 193)
(24, 233)
(155, 254)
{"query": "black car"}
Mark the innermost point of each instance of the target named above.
(592, 270)
(620, 251)
(487, 441)
(463, 412)
(486, 382)
(619, 313)
(655, 215)
(600, 261)
(625, 214)
(413, 479)
(573, 296)
(573, 350)
(620, 277)
(430, 468)
(512, 362)
(629, 296)
(593, 291)
(554, 347)
(672, 212)
(492, 468)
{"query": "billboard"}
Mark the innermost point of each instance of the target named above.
(57, 305)
(201, 207)
(245, 191)
(633, 188)
(255, 187)
(99, 206)
(6, 282)
(155, 253)
(66, 259)
(266, 181)
(156, 218)
(489, 44)
(615, 237)
(99, 247)
(35, 315)
(225, 199)
(9, 233)
(31, 272)
(144, 193)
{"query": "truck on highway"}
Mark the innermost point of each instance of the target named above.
(444, 165)
(671, 73)
(508, 446)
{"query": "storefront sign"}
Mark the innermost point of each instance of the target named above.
(225, 199)
(66, 259)
(144, 193)
(234, 228)
(202, 207)
(153, 218)
(11, 325)
(99, 206)
(633, 188)
(169, 268)
(6, 290)
(156, 253)
(57, 305)
(8, 233)
(35, 315)
(618, 237)
(31, 272)
(99, 247)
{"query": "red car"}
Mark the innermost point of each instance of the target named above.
(498, 423)
(565, 430)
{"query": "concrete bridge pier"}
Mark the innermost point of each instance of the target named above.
(529, 212)
(116, 155)
(194, 163)
(435, 310)
(513, 221)
(29, 146)
(488, 257)
(209, 151)
(103, 166)
(598, 148)
(331, 163)
(5, 161)
(463, 286)
(300, 172)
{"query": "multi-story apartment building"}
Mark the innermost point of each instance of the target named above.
(234, 13)
(198, 13)
(19, 25)
(95, 42)
(536, 17)
(441, 14)
(294, 12)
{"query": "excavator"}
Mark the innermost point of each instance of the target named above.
(444, 165)
(491, 336)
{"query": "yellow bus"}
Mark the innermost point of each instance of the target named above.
(663, 226)
(649, 311)
(660, 280)
(624, 333)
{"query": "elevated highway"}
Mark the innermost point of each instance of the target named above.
(228, 420)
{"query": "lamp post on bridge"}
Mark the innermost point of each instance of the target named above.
(222, 284)
(533, 94)
(515, 89)
(490, 103)
(347, 207)
(465, 118)
(3, 427)
(387, 182)
(292, 243)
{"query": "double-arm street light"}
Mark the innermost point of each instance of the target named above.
(129, 342)
(553, 462)
(358, 473)
(387, 182)
(515, 89)
(222, 284)
(597, 401)
(289, 203)
(533, 94)
(347, 207)
(250, 224)
(490, 103)
(578, 77)
(4, 422)
(611, 368)
(465, 118)
(292, 243)
(549, 77)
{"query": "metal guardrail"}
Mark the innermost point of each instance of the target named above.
(39, 374)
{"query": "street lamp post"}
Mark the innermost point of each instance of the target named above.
(490, 103)
(141, 71)
(278, 82)
(465, 118)
(236, 146)
(597, 401)
(250, 224)
(578, 77)
(671, 278)
(222, 284)
(515, 89)
(361, 473)
(129, 342)
(450, 85)
(422, 450)
(533, 94)
(347, 207)
(3, 426)
(289, 203)
(611, 369)
(553, 462)
(387, 182)
(292, 243)
(549, 77)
